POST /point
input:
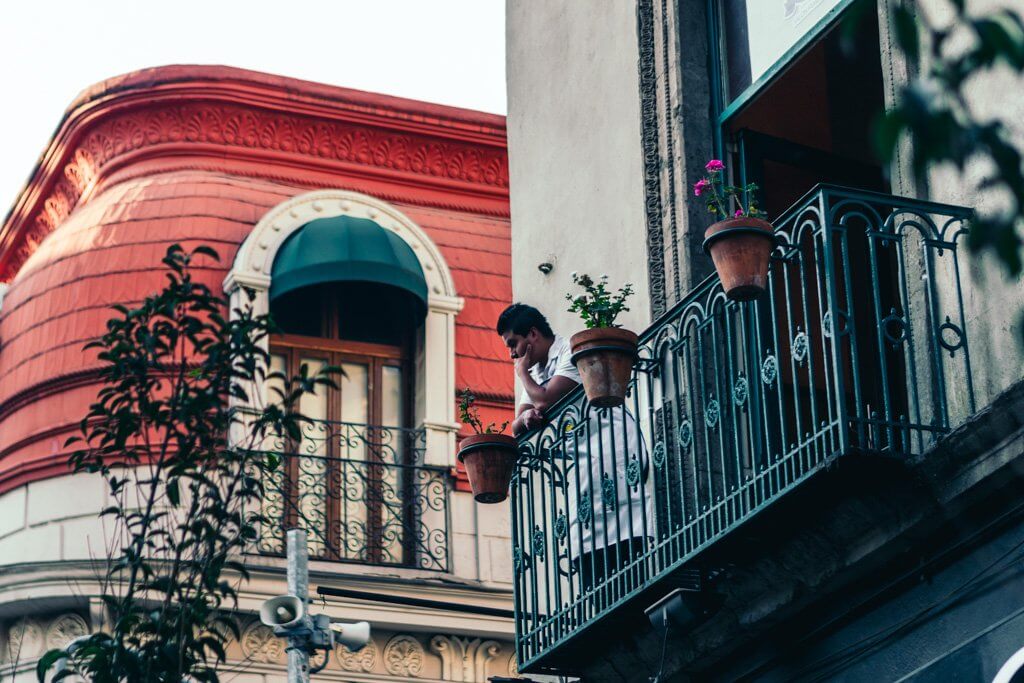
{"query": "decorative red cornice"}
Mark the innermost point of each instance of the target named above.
(235, 118)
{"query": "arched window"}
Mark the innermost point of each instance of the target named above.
(354, 284)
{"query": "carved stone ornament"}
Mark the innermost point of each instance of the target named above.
(317, 659)
(240, 127)
(64, 629)
(463, 659)
(261, 645)
(25, 640)
(361, 660)
(403, 656)
(513, 666)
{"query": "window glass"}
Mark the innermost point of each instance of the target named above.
(312, 466)
(355, 411)
(392, 413)
(275, 385)
(314, 406)
(758, 33)
(354, 393)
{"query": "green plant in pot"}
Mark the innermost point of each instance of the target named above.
(488, 454)
(741, 243)
(604, 352)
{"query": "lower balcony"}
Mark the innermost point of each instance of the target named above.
(858, 347)
(364, 495)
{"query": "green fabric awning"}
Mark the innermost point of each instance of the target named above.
(346, 249)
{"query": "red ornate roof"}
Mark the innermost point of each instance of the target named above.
(197, 155)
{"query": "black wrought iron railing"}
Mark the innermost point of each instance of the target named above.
(859, 344)
(362, 492)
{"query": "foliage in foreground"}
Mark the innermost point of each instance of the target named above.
(935, 110)
(185, 494)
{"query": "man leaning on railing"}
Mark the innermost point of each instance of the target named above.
(617, 525)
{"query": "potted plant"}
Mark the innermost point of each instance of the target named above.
(741, 243)
(604, 352)
(488, 454)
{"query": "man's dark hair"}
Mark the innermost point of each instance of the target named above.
(520, 318)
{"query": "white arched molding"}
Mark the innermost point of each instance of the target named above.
(434, 407)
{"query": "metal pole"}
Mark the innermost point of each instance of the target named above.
(298, 585)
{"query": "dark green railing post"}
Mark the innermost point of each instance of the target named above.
(839, 315)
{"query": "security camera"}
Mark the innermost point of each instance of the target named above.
(353, 636)
(283, 612)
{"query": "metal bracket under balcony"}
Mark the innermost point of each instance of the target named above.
(859, 346)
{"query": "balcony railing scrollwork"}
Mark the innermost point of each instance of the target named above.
(858, 345)
(362, 492)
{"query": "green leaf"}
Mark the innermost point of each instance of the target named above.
(888, 129)
(206, 251)
(173, 493)
(47, 661)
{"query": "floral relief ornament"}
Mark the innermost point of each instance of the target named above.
(403, 656)
(25, 639)
(64, 629)
(261, 645)
(360, 660)
(240, 127)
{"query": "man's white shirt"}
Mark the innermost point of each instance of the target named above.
(611, 509)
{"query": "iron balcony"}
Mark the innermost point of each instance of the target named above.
(859, 345)
(362, 492)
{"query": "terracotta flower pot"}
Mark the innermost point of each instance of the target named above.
(490, 460)
(741, 249)
(604, 356)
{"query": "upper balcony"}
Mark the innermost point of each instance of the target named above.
(859, 346)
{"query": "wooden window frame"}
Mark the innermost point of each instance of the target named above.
(375, 357)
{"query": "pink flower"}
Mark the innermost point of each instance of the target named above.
(739, 212)
(714, 165)
(700, 186)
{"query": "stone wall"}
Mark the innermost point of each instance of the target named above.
(993, 300)
(259, 656)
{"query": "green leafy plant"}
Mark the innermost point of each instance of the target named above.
(184, 471)
(726, 201)
(470, 414)
(934, 110)
(598, 306)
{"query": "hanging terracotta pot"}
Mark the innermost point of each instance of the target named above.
(741, 249)
(490, 460)
(604, 357)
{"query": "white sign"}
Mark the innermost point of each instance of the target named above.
(774, 26)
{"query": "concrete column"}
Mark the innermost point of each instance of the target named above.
(435, 386)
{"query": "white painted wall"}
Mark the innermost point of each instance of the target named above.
(574, 153)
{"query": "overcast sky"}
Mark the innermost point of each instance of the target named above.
(445, 51)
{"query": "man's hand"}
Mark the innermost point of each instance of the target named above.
(527, 420)
(522, 363)
(532, 418)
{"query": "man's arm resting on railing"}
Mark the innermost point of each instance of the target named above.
(531, 415)
(538, 397)
(543, 397)
(527, 418)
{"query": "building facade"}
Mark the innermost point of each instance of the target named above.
(831, 468)
(376, 231)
